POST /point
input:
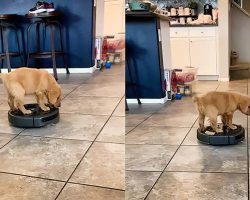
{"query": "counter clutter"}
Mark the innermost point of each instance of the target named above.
(190, 14)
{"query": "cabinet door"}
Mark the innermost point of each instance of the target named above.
(180, 55)
(203, 55)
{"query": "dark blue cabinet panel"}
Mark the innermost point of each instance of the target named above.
(143, 57)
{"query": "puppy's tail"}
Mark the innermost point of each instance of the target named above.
(195, 99)
(199, 105)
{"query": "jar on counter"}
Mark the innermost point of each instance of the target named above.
(182, 20)
(173, 12)
(180, 89)
(188, 90)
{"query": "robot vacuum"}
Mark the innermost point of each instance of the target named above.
(38, 118)
(227, 136)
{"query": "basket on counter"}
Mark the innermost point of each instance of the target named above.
(185, 77)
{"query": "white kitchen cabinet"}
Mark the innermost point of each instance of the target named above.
(114, 17)
(203, 55)
(195, 47)
(180, 52)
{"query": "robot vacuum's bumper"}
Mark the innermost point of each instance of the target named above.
(37, 119)
(227, 137)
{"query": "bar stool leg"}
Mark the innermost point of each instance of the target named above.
(62, 48)
(6, 46)
(28, 44)
(18, 46)
(134, 86)
(2, 48)
(38, 49)
(52, 39)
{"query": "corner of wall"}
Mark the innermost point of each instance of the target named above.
(224, 39)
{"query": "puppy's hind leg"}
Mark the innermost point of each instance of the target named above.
(11, 103)
(224, 119)
(213, 123)
(230, 122)
(40, 101)
(18, 94)
(201, 122)
(19, 103)
(212, 115)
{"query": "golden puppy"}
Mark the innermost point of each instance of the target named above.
(224, 104)
(24, 81)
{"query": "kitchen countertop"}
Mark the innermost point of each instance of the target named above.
(146, 14)
(194, 25)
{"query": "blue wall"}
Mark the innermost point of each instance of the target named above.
(78, 29)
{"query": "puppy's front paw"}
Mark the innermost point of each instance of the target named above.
(27, 112)
(233, 127)
(45, 108)
(202, 129)
(13, 109)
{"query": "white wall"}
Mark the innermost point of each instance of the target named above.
(224, 40)
(114, 17)
(99, 18)
(240, 34)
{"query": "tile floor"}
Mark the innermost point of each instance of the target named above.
(164, 160)
(81, 157)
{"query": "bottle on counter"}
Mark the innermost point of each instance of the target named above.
(208, 9)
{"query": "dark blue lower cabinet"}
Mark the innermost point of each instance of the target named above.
(143, 58)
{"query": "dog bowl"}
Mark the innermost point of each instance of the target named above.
(37, 119)
(226, 137)
(108, 65)
(178, 96)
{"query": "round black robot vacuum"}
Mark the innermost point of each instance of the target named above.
(38, 118)
(227, 136)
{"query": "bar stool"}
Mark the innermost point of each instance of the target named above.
(47, 20)
(8, 26)
(132, 83)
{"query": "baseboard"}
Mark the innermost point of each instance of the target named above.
(207, 77)
(63, 70)
(148, 101)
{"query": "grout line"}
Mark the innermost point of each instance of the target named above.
(50, 179)
(150, 115)
(198, 172)
(67, 139)
(100, 115)
(30, 176)
(78, 85)
(72, 113)
(12, 139)
(97, 186)
(95, 96)
(2, 133)
(87, 150)
(184, 145)
(170, 160)
(137, 124)
(218, 86)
